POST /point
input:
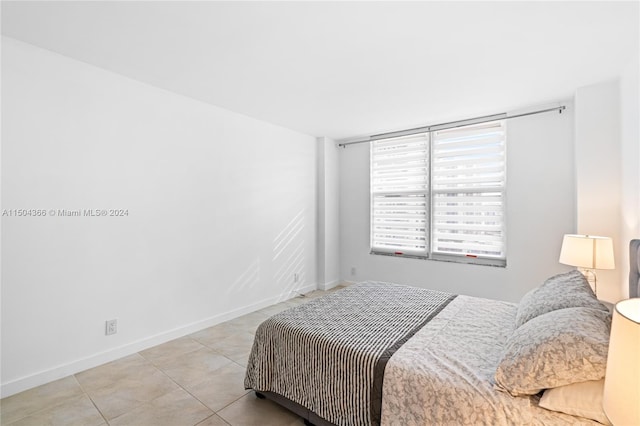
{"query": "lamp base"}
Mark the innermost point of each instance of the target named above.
(590, 275)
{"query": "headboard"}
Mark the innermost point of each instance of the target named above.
(634, 272)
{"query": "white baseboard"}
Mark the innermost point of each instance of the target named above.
(61, 371)
(329, 285)
(303, 290)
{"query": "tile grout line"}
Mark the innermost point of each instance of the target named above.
(90, 399)
(150, 361)
(103, 415)
(136, 406)
(213, 412)
(41, 410)
(241, 330)
(179, 385)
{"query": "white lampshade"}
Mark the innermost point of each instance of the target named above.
(621, 401)
(587, 251)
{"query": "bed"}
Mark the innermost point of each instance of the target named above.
(385, 354)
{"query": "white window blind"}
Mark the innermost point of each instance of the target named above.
(400, 195)
(468, 172)
(440, 194)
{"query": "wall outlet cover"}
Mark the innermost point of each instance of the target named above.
(111, 327)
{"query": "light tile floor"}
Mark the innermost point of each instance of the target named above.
(194, 380)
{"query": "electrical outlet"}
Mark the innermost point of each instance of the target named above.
(296, 277)
(353, 270)
(111, 327)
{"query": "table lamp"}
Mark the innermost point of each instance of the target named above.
(589, 252)
(621, 400)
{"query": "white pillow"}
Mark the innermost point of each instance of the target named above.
(582, 399)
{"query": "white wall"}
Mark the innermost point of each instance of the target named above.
(328, 214)
(630, 158)
(540, 209)
(222, 213)
(598, 174)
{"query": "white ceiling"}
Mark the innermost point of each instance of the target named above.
(344, 69)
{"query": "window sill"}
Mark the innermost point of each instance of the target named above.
(469, 260)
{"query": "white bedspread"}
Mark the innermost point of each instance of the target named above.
(444, 374)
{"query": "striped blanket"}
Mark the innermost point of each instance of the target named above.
(329, 354)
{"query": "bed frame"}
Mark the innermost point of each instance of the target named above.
(312, 419)
(634, 272)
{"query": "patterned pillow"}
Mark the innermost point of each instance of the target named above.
(555, 349)
(558, 292)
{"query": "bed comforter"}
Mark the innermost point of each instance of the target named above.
(329, 355)
(444, 374)
(379, 353)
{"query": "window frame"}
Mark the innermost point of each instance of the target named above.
(430, 193)
(425, 192)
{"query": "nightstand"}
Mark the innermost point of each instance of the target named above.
(608, 305)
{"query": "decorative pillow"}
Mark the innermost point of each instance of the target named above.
(582, 399)
(570, 290)
(555, 349)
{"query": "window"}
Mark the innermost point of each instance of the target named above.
(441, 194)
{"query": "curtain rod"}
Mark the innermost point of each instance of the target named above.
(449, 125)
